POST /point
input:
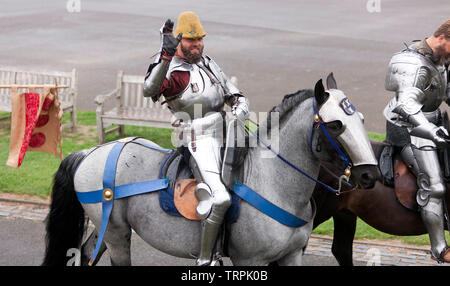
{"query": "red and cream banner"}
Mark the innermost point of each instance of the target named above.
(35, 123)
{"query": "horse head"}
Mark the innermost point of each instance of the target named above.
(342, 137)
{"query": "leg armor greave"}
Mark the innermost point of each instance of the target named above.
(431, 214)
(211, 209)
(430, 198)
(221, 203)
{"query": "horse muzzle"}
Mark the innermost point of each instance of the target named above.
(365, 175)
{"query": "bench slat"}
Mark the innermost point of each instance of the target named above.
(138, 113)
(133, 79)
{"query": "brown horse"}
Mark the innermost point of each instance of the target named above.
(379, 207)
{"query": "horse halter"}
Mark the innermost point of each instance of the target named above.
(346, 162)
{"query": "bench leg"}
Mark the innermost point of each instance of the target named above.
(73, 116)
(121, 130)
(100, 130)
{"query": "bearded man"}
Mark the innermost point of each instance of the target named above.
(196, 89)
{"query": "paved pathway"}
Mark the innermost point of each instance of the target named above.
(375, 252)
(364, 252)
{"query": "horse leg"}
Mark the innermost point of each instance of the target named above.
(118, 244)
(117, 237)
(88, 247)
(344, 232)
(292, 259)
(119, 247)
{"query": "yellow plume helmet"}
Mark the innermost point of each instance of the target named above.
(189, 24)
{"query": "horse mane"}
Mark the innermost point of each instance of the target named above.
(287, 105)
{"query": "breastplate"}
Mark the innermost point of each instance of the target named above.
(403, 72)
(435, 93)
(201, 95)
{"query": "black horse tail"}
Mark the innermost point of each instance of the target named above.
(65, 221)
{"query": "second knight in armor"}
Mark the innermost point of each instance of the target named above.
(196, 89)
(419, 77)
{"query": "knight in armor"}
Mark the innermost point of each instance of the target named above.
(419, 77)
(196, 89)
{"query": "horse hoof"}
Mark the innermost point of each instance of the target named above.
(444, 257)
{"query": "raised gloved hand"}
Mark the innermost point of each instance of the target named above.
(169, 43)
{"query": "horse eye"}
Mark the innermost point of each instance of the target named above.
(334, 125)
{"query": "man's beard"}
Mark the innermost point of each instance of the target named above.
(192, 58)
(440, 51)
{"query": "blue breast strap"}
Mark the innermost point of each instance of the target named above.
(266, 207)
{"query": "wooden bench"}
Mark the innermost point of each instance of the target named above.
(67, 96)
(129, 107)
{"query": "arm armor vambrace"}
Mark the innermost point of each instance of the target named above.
(155, 79)
(409, 101)
(409, 107)
(424, 128)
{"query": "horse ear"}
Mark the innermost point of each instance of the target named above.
(319, 92)
(331, 82)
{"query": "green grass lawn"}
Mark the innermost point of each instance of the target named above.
(35, 175)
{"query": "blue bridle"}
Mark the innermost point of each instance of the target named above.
(317, 123)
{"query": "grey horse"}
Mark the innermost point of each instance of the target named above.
(255, 238)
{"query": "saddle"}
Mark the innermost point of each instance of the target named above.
(396, 174)
(399, 176)
(179, 198)
(405, 186)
